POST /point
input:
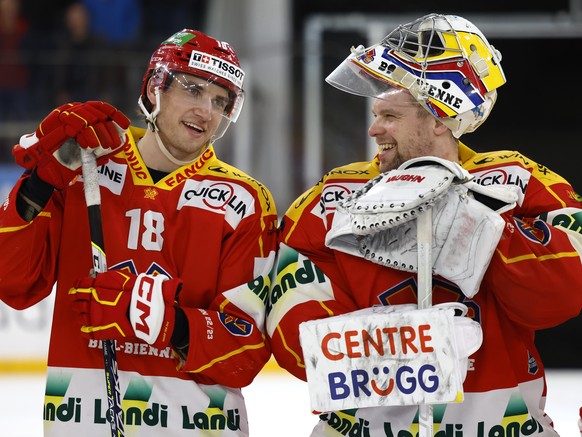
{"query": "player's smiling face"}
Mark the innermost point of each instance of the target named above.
(191, 109)
(402, 129)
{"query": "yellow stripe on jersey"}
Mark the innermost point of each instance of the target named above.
(531, 256)
(18, 228)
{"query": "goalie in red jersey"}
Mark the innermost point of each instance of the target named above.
(506, 248)
(190, 243)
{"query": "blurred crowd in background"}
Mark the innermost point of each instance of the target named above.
(75, 50)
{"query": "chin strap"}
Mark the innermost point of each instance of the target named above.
(167, 154)
(150, 117)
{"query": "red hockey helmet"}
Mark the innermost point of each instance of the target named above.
(194, 52)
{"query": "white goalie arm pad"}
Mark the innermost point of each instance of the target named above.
(459, 173)
(465, 231)
(500, 198)
(398, 196)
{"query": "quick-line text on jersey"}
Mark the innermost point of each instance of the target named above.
(219, 196)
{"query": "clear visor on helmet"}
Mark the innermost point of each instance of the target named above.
(202, 91)
(222, 105)
(357, 75)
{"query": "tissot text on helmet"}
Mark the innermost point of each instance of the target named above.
(223, 68)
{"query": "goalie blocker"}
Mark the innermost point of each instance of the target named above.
(389, 355)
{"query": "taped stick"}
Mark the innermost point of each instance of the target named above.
(424, 244)
(93, 201)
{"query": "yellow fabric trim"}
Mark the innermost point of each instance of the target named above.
(18, 228)
(539, 258)
(272, 366)
(13, 228)
(224, 357)
(296, 209)
(292, 352)
(549, 189)
(330, 312)
(90, 329)
(465, 153)
(223, 305)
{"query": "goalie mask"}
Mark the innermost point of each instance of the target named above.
(444, 61)
(195, 53)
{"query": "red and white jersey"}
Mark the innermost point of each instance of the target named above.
(533, 282)
(207, 223)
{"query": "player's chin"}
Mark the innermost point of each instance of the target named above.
(387, 165)
(389, 160)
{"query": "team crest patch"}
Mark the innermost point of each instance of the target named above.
(368, 57)
(535, 230)
(236, 326)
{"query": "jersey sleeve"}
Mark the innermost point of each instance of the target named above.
(536, 270)
(228, 344)
(27, 276)
(302, 286)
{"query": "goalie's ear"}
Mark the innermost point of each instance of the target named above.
(439, 128)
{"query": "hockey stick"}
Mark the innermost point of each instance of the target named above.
(424, 244)
(93, 200)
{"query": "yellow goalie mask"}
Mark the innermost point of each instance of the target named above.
(444, 61)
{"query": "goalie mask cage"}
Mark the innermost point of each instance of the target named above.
(335, 123)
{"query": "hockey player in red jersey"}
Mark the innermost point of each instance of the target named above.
(190, 242)
(432, 80)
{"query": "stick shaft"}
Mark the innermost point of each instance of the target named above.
(424, 241)
(424, 244)
(93, 200)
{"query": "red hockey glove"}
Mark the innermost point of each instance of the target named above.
(54, 147)
(118, 305)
